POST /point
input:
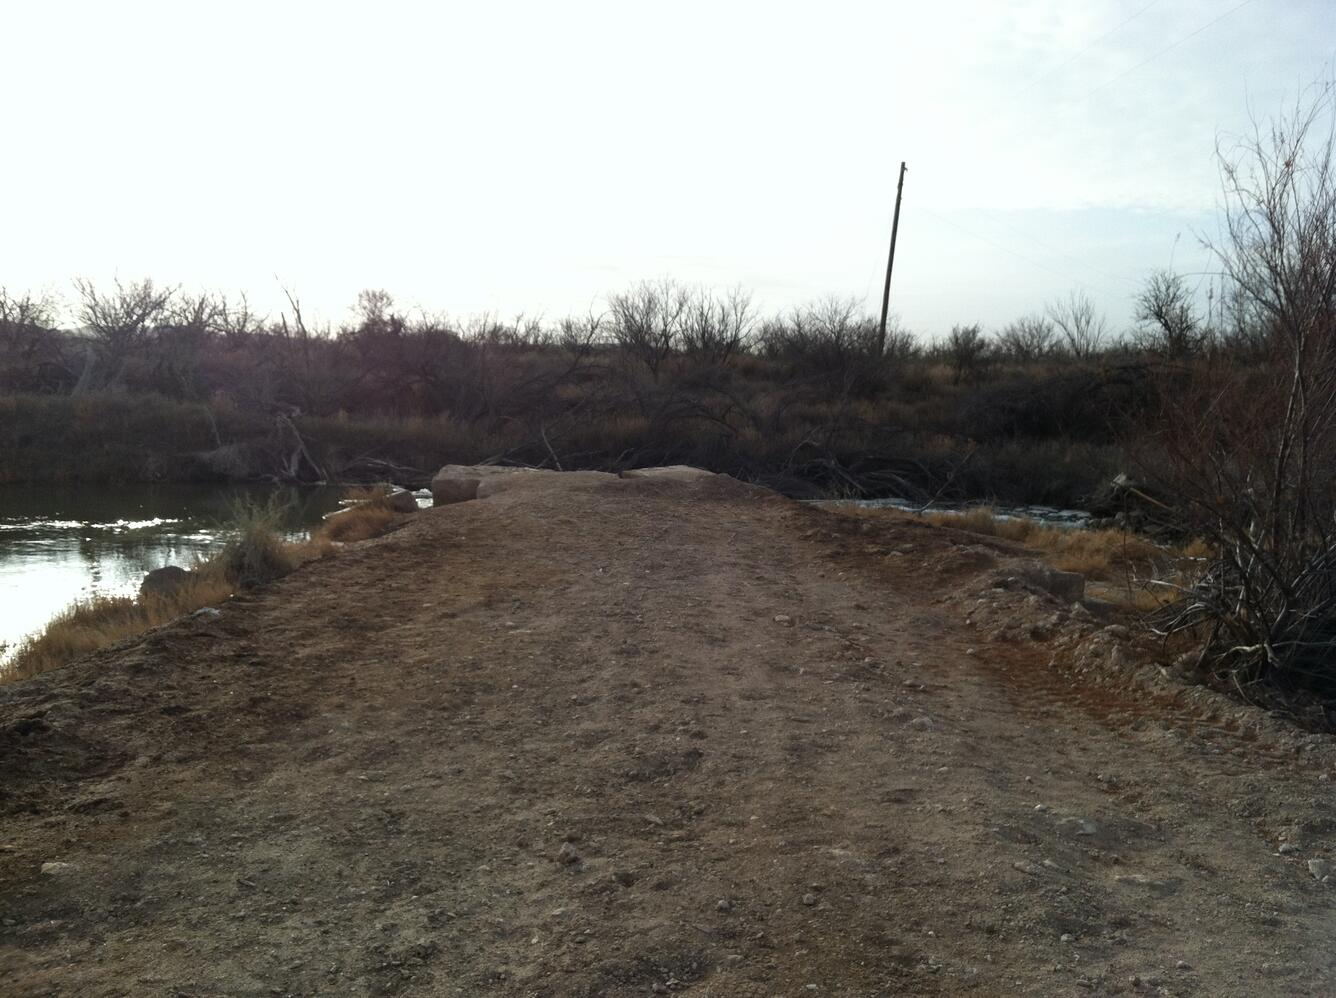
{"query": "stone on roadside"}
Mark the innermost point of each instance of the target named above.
(567, 854)
(56, 869)
(162, 581)
(402, 501)
(1066, 586)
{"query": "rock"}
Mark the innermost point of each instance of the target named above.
(1078, 826)
(207, 613)
(1286, 848)
(923, 723)
(672, 472)
(784, 619)
(454, 483)
(402, 501)
(1321, 869)
(567, 855)
(1066, 586)
(57, 869)
(809, 900)
(162, 581)
(723, 904)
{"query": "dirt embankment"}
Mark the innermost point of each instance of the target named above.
(591, 737)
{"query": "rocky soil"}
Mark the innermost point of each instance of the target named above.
(589, 736)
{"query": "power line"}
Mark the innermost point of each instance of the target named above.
(1168, 48)
(1107, 275)
(1004, 248)
(1063, 65)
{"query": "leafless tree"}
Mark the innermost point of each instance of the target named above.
(1252, 453)
(120, 321)
(715, 326)
(1171, 326)
(967, 348)
(1083, 329)
(1029, 338)
(27, 339)
(647, 321)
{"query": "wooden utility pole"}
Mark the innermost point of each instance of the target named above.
(890, 262)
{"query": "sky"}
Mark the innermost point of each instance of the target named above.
(533, 157)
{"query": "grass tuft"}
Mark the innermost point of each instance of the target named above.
(357, 524)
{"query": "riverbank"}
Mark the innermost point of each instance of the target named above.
(918, 439)
(590, 736)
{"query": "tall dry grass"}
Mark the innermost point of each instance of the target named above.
(256, 552)
(89, 625)
(1096, 554)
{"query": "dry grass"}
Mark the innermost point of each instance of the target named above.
(1102, 555)
(357, 524)
(255, 553)
(89, 625)
(367, 516)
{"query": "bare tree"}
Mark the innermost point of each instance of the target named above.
(715, 326)
(1252, 453)
(648, 320)
(1029, 338)
(120, 321)
(1083, 328)
(967, 348)
(27, 339)
(1170, 324)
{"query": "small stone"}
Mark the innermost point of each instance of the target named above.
(784, 619)
(1067, 937)
(1183, 965)
(567, 855)
(1041, 808)
(624, 877)
(723, 904)
(1286, 848)
(56, 869)
(1321, 869)
(809, 899)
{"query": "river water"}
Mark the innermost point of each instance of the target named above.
(62, 543)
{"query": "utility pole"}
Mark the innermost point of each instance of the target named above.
(886, 294)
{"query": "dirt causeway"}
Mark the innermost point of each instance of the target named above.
(595, 736)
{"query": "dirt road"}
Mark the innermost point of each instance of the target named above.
(590, 738)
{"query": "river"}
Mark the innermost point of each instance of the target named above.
(62, 543)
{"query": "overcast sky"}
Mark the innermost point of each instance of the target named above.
(506, 156)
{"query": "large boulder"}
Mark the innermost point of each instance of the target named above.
(163, 581)
(402, 501)
(461, 482)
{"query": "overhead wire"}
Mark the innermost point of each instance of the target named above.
(1067, 62)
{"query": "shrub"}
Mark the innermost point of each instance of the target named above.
(1250, 462)
(255, 551)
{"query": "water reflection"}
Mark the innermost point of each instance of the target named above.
(58, 544)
